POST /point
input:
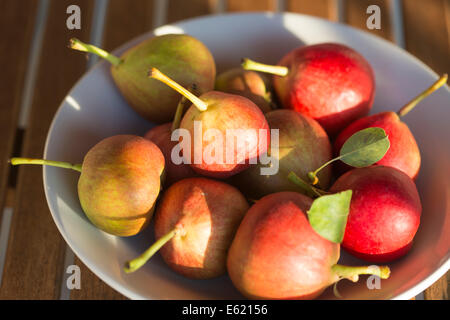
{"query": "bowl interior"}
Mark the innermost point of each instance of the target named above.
(94, 109)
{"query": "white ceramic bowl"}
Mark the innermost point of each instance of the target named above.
(94, 109)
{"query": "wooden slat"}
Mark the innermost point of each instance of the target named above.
(34, 261)
(9, 198)
(250, 5)
(14, 49)
(119, 28)
(427, 36)
(447, 19)
(438, 291)
(181, 9)
(356, 16)
(319, 8)
(426, 32)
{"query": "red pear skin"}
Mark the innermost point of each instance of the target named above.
(119, 183)
(226, 112)
(328, 82)
(276, 254)
(160, 135)
(384, 212)
(403, 153)
(250, 84)
(303, 147)
(208, 213)
(182, 57)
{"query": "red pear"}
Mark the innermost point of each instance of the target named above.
(403, 153)
(384, 212)
(195, 223)
(213, 123)
(161, 136)
(329, 82)
(276, 254)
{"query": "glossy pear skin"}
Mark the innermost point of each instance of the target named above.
(328, 82)
(277, 255)
(161, 136)
(226, 112)
(181, 57)
(119, 183)
(209, 213)
(384, 213)
(303, 147)
(403, 153)
(250, 84)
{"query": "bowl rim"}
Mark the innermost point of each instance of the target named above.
(405, 295)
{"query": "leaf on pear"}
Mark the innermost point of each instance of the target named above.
(328, 215)
(365, 147)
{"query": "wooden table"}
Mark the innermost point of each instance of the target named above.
(38, 70)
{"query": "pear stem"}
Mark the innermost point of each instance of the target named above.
(310, 190)
(84, 47)
(312, 175)
(179, 112)
(410, 105)
(138, 262)
(352, 273)
(60, 164)
(158, 75)
(248, 64)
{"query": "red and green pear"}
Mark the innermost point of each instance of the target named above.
(250, 84)
(119, 182)
(221, 118)
(303, 147)
(195, 222)
(276, 254)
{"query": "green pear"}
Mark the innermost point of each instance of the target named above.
(184, 58)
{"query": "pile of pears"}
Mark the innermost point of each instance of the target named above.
(344, 177)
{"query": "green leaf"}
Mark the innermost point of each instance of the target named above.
(365, 147)
(328, 215)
